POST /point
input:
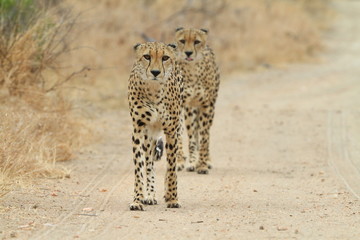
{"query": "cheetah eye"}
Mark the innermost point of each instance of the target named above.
(164, 58)
(182, 41)
(196, 42)
(147, 57)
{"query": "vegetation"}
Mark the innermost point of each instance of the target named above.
(37, 126)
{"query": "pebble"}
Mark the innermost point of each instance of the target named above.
(282, 228)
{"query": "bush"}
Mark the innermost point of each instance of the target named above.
(37, 126)
(30, 44)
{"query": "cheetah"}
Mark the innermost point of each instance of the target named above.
(155, 98)
(201, 84)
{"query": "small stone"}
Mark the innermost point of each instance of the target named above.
(282, 228)
(87, 209)
(261, 227)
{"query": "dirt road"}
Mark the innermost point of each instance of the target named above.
(286, 152)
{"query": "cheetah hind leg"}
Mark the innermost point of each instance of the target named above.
(181, 159)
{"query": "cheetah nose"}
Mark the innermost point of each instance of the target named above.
(155, 72)
(188, 53)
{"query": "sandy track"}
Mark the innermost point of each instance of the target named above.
(285, 145)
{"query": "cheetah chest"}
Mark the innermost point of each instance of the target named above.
(195, 85)
(160, 119)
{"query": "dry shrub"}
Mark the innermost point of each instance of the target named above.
(29, 60)
(16, 63)
(37, 124)
(245, 34)
(320, 12)
(32, 141)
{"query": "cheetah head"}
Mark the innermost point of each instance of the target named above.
(156, 60)
(191, 42)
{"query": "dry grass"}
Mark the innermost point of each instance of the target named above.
(245, 34)
(33, 141)
(37, 124)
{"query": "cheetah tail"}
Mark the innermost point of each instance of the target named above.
(159, 149)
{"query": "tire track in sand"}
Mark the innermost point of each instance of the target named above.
(77, 203)
(339, 154)
(125, 173)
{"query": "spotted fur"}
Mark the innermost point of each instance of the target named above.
(155, 102)
(201, 85)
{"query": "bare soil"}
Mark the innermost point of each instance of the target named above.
(285, 148)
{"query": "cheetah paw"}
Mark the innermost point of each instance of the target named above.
(190, 169)
(149, 201)
(173, 205)
(180, 166)
(202, 171)
(136, 207)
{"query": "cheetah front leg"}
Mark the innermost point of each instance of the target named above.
(171, 146)
(180, 156)
(206, 117)
(192, 126)
(149, 148)
(138, 158)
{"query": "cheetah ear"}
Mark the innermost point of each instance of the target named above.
(204, 30)
(172, 45)
(136, 46)
(178, 29)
